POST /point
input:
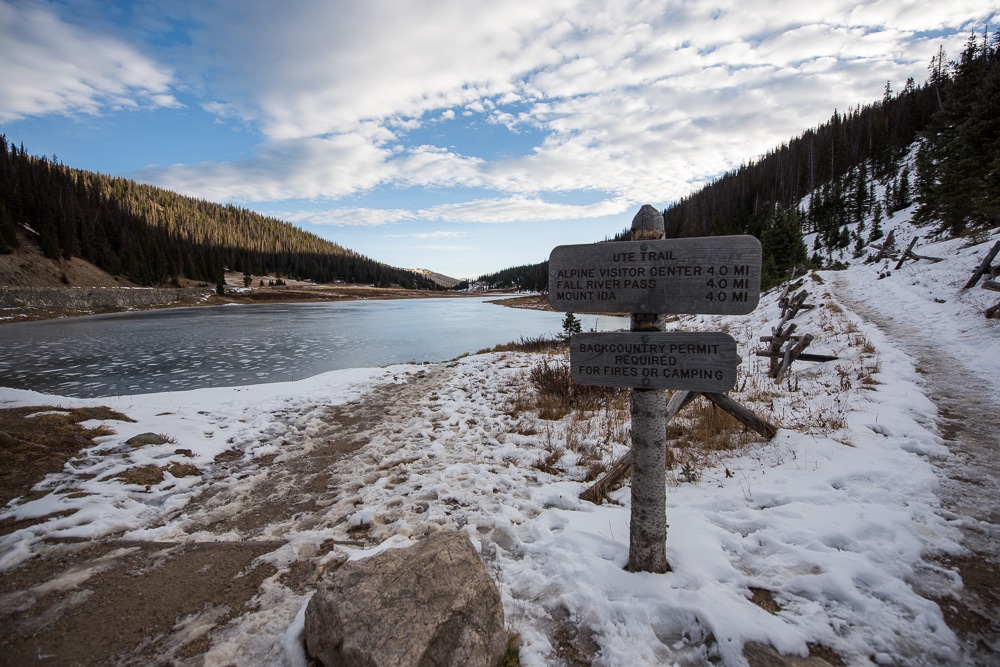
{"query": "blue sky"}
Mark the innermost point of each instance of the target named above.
(458, 136)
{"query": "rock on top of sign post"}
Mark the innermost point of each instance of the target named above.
(647, 224)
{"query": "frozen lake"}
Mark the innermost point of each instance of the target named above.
(191, 348)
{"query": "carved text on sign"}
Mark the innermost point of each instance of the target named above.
(655, 360)
(708, 275)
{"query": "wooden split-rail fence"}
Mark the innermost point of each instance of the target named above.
(784, 346)
(887, 250)
(990, 271)
(791, 304)
(909, 254)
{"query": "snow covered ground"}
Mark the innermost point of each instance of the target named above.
(837, 520)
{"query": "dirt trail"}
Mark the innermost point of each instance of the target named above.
(969, 422)
(112, 601)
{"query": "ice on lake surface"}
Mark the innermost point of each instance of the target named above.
(193, 348)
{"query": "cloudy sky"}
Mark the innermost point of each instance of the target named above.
(462, 136)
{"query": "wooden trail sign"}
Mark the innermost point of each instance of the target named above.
(699, 362)
(711, 275)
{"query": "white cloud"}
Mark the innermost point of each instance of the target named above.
(350, 216)
(51, 66)
(643, 105)
(519, 209)
(310, 68)
(484, 211)
(644, 100)
(306, 168)
(429, 235)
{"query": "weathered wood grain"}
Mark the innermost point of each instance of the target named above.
(693, 361)
(717, 275)
(743, 415)
(985, 267)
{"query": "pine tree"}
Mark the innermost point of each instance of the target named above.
(783, 247)
(8, 231)
(962, 144)
(571, 325)
(876, 231)
(859, 247)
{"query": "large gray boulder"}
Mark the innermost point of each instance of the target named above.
(430, 604)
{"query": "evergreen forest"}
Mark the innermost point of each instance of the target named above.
(527, 278)
(153, 236)
(936, 145)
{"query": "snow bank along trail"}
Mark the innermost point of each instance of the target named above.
(963, 390)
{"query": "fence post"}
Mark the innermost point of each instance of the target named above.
(648, 524)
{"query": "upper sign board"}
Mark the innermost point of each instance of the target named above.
(711, 275)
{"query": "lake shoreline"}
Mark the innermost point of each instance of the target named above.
(253, 341)
(203, 296)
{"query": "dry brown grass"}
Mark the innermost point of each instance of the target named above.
(147, 476)
(150, 475)
(595, 422)
(764, 599)
(33, 446)
(183, 470)
(705, 426)
(549, 462)
(529, 344)
(511, 655)
(549, 391)
(700, 436)
(865, 343)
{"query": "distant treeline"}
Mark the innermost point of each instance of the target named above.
(851, 169)
(529, 278)
(154, 236)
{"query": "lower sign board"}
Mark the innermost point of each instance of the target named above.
(656, 360)
(711, 275)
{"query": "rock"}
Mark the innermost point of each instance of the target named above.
(430, 604)
(765, 655)
(144, 439)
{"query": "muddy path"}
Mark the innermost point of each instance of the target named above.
(968, 421)
(118, 602)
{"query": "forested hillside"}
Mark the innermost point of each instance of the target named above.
(530, 278)
(937, 144)
(152, 236)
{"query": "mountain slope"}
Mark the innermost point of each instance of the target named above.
(26, 266)
(438, 278)
(150, 235)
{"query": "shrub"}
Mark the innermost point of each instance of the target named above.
(558, 393)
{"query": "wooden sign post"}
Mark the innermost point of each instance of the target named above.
(649, 276)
